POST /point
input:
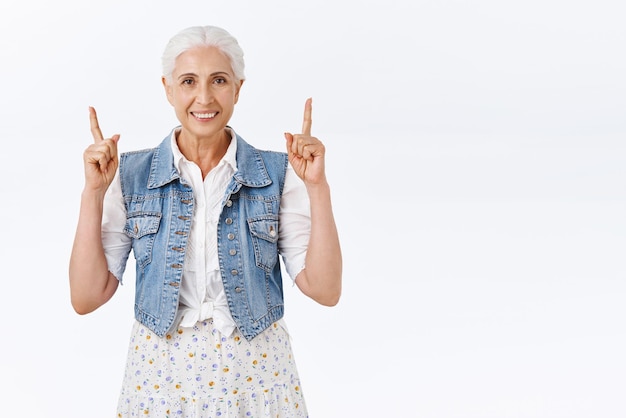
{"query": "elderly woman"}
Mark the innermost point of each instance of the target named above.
(206, 216)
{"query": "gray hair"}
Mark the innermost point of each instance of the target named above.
(199, 36)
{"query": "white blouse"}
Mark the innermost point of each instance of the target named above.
(202, 291)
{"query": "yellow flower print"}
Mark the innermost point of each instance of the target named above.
(178, 386)
(225, 369)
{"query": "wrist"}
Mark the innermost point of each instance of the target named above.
(320, 189)
(90, 194)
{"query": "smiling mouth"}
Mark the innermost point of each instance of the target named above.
(204, 115)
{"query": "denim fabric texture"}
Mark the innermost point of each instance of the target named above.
(159, 207)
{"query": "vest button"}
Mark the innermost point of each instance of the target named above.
(238, 289)
(177, 266)
(174, 284)
(229, 221)
(234, 272)
(229, 203)
(232, 252)
(231, 236)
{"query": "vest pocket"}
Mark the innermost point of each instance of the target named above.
(264, 233)
(142, 228)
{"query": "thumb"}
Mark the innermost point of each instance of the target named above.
(289, 138)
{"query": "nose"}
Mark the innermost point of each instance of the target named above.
(204, 94)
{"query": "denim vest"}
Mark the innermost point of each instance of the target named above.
(159, 206)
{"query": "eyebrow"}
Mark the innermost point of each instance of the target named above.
(196, 75)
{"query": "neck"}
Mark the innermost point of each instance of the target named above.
(206, 153)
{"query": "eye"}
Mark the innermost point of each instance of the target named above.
(220, 80)
(187, 81)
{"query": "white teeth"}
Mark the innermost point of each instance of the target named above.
(205, 115)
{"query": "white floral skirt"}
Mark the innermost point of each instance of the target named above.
(197, 372)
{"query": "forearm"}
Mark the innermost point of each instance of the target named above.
(91, 284)
(321, 279)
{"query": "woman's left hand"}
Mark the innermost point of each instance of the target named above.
(306, 153)
(321, 279)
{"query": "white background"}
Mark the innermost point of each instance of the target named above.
(476, 152)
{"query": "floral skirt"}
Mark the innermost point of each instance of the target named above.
(197, 372)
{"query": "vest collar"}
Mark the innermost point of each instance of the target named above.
(251, 170)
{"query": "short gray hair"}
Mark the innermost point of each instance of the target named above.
(199, 36)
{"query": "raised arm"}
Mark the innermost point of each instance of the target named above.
(321, 278)
(91, 283)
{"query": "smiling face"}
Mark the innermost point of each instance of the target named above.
(203, 91)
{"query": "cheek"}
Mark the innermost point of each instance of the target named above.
(169, 93)
(180, 101)
(231, 97)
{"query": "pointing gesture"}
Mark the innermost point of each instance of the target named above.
(308, 111)
(100, 158)
(306, 153)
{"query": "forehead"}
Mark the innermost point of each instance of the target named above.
(201, 60)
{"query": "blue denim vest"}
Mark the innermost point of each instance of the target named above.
(159, 206)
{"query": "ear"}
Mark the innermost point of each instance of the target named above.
(238, 89)
(168, 90)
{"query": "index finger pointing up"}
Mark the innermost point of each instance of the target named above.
(308, 110)
(95, 127)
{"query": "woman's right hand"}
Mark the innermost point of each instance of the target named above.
(100, 158)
